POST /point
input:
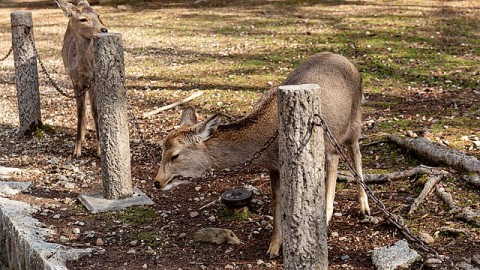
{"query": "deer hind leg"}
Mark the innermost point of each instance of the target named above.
(81, 124)
(276, 241)
(331, 165)
(354, 150)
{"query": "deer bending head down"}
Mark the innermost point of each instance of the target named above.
(77, 54)
(196, 147)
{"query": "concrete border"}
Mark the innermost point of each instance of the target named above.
(22, 242)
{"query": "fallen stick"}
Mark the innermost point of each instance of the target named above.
(473, 179)
(429, 185)
(167, 107)
(380, 178)
(466, 213)
(210, 204)
(438, 153)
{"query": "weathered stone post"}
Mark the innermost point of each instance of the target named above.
(302, 173)
(112, 115)
(26, 74)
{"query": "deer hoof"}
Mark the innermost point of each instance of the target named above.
(273, 251)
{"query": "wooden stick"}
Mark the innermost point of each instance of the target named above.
(429, 185)
(167, 107)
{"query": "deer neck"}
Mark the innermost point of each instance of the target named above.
(83, 49)
(233, 144)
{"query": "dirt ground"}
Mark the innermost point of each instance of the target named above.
(234, 51)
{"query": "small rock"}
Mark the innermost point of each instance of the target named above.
(76, 230)
(62, 178)
(40, 225)
(69, 185)
(57, 216)
(217, 236)
(63, 239)
(150, 251)
(399, 255)
(145, 266)
(198, 188)
(253, 189)
(409, 199)
(229, 266)
(99, 242)
(260, 262)
(466, 266)
(334, 234)
(131, 251)
(425, 237)
(212, 218)
(337, 214)
(344, 257)
(134, 243)
(182, 235)
(193, 214)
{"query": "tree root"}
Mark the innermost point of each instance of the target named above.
(437, 153)
(429, 185)
(381, 178)
(466, 213)
(473, 179)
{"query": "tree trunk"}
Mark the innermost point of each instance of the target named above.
(302, 174)
(26, 74)
(112, 115)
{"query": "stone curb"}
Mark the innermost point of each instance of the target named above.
(22, 243)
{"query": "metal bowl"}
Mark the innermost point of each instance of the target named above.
(237, 197)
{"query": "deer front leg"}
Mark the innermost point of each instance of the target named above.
(81, 124)
(93, 104)
(331, 165)
(354, 150)
(276, 241)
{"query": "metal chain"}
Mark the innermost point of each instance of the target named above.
(52, 82)
(7, 55)
(371, 194)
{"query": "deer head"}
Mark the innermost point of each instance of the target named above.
(83, 20)
(185, 152)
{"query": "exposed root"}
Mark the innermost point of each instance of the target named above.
(473, 179)
(466, 213)
(381, 178)
(429, 185)
(437, 153)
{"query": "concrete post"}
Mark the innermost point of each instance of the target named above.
(112, 115)
(302, 174)
(26, 74)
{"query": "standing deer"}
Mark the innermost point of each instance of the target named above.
(196, 147)
(77, 54)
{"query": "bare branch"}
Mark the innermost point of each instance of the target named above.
(429, 185)
(167, 107)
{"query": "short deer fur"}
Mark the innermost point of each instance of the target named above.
(196, 147)
(77, 54)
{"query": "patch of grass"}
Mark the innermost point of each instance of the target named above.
(137, 215)
(231, 215)
(42, 130)
(153, 240)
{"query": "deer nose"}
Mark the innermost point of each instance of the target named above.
(104, 30)
(157, 185)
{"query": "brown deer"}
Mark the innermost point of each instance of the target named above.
(77, 54)
(196, 147)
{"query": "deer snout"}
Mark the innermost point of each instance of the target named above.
(104, 30)
(157, 185)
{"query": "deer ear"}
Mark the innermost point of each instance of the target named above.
(69, 10)
(189, 117)
(204, 130)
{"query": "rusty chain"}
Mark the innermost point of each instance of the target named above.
(7, 55)
(371, 194)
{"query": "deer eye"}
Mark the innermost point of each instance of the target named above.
(174, 157)
(83, 20)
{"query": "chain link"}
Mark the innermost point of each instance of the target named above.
(8, 54)
(51, 81)
(394, 219)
